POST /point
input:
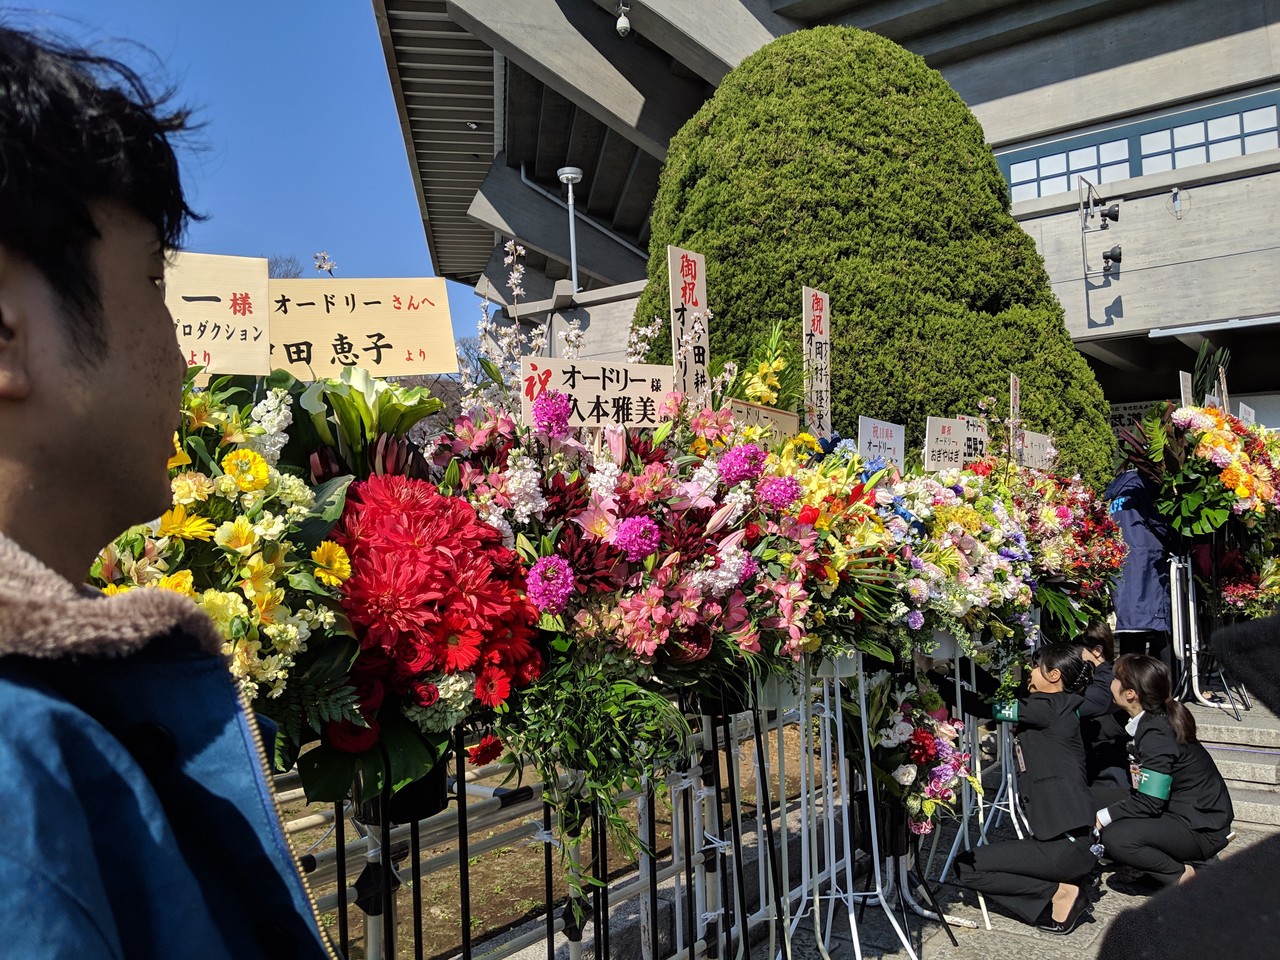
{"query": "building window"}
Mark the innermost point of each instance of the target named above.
(1173, 142)
(1061, 172)
(1216, 138)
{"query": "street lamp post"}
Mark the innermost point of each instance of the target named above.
(570, 176)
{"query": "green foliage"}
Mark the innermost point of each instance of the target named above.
(1205, 379)
(593, 717)
(834, 158)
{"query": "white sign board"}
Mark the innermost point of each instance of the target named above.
(953, 442)
(1248, 415)
(220, 311)
(601, 394)
(816, 311)
(878, 438)
(975, 438)
(781, 425)
(1187, 388)
(690, 337)
(943, 444)
(1211, 400)
(1036, 451)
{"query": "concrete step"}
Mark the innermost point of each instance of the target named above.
(1246, 734)
(1256, 806)
(1260, 768)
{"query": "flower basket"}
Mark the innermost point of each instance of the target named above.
(947, 646)
(891, 823)
(723, 700)
(424, 797)
(840, 666)
(779, 693)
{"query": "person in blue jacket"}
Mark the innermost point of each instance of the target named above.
(1141, 592)
(137, 818)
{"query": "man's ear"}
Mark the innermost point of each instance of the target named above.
(15, 333)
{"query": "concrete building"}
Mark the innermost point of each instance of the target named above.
(1168, 109)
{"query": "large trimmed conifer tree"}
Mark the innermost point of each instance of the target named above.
(836, 159)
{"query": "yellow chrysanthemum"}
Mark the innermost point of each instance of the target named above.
(179, 458)
(237, 535)
(333, 566)
(178, 523)
(111, 589)
(191, 486)
(247, 468)
(182, 582)
(223, 608)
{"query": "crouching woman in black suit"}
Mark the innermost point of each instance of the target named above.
(1178, 809)
(1043, 879)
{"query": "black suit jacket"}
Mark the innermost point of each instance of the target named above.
(1054, 791)
(1199, 795)
(1102, 730)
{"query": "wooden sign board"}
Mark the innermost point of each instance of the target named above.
(220, 311)
(389, 327)
(781, 425)
(1035, 451)
(690, 335)
(816, 310)
(879, 438)
(626, 394)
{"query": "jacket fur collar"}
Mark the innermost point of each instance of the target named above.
(45, 616)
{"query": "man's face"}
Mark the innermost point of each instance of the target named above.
(114, 431)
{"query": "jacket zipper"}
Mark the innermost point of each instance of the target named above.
(264, 768)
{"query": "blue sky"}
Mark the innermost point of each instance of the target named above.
(301, 149)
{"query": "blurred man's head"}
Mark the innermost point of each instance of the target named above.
(90, 373)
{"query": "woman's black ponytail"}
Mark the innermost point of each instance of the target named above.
(1150, 680)
(1075, 670)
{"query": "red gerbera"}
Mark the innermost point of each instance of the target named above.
(486, 751)
(457, 645)
(493, 686)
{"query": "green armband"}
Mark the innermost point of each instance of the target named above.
(1158, 785)
(1007, 712)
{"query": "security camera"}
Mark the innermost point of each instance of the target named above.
(624, 25)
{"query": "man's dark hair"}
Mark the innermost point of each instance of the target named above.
(77, 129)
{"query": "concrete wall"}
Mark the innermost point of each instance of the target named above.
(1218, 260)
(1120, 65)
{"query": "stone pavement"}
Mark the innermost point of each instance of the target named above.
(1008, 939)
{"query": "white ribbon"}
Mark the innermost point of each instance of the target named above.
(542, 835)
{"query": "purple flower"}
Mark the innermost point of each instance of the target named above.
(777, 492)
(915, 619)
(749, 569)
(551, 414)
(550, 584)
(917, 563)
(741, 463)
(637, 537)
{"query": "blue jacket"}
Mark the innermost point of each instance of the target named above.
(1141, 593)
(136, 814)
